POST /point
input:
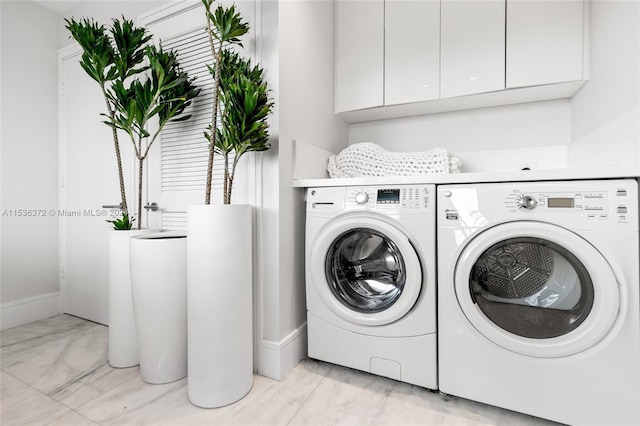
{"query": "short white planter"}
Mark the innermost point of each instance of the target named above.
(220, 304)
(159, 287)
(123, 340)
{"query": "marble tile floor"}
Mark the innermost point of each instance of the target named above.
(55, 372)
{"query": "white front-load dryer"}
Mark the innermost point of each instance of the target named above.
(538, 292)
(371, 280)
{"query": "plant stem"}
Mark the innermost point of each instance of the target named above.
(207, 197)
(214, 115)
(226, 180)
(232, 176)
(116, 143)
(140, 169)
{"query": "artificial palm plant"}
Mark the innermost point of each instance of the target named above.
(244, 127)
(164, 94)
(135, 93)
(110, 55)
(240, 101)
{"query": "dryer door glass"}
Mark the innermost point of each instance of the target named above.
(365, 270)
(532, 287)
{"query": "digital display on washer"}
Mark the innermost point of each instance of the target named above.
(561, 202)
(388, 196)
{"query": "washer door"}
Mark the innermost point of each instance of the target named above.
(365, 269)
(536, 289)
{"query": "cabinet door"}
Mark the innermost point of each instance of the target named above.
(359, 54)
(472, 47)
(412, 51)
(544, 42)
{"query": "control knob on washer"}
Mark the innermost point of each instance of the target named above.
(526, 202)
(362, 198)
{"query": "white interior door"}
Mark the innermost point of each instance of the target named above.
(178, 165)
(89, 180)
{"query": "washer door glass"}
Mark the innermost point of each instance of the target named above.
(532, 287)
(365, 270)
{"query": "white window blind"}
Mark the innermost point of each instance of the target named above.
(184, 150)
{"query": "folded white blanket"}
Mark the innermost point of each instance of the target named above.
(369, 159)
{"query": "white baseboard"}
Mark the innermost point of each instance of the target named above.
(277, 359)
(31, 309)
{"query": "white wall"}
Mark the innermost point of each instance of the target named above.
(306, 114)
(605, 116)
(268, 265)
(303, 65)
(531, 124)
(465, 133)
(29, 172)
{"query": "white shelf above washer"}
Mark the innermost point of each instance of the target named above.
(478, 177)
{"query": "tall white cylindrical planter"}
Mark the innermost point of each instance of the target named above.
(220, 304)
(123, 340)
(159, 287)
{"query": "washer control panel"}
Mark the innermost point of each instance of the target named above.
(414, 197)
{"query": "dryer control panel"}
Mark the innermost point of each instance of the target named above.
(596, 202)
(594, 205)
(605, 204)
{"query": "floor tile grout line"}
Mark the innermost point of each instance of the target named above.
(74, 332)
(46, 396)
(307, 398)
(78, 380)
(102, 394)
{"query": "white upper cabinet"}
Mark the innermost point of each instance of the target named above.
(472, 47)
(397, 58)
(544, 42)
(412, 51)
(359, 44)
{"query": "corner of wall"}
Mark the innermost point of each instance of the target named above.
(277, 359)
(605, 113)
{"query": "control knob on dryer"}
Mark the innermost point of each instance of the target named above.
(362, 198)
(526, 202)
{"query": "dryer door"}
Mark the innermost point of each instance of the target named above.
(365, 269)
(537, 289)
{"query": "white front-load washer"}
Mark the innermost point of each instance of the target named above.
(538, 293)
(371, 280)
